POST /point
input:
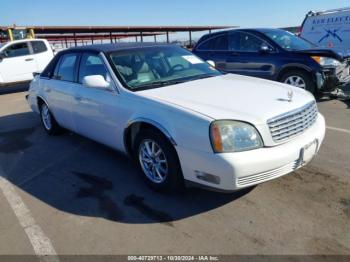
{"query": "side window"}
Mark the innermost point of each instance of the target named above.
(66, 67)
(217, 43)
(206, 45)
(38, 47)
(220, 43)
(15, 50)
(244, 42)
(92, 64)
(234, 41)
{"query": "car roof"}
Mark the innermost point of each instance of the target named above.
(107, 48)
(260, 30)
(22, 40)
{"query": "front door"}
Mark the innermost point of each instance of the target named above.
(246, 56)
(18, 64)
(96, 110)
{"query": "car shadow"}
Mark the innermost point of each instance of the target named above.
(14, 88)
(81, 177)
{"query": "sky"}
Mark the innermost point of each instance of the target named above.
(243, 13)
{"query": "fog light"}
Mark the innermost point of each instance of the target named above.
(207, 177)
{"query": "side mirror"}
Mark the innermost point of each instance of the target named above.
(36, 74)
(211, 62)
(264, 48)
(96, 81)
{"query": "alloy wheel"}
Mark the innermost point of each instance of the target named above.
(295, 81)
(153, 161)
(46, 117)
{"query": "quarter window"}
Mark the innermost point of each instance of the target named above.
(92, 64)
(38, 47)
(66, 67)
(15, 50)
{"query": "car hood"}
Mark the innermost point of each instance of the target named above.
(333, 53)
(232, 96)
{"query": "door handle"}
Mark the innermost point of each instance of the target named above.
(28, 59)
(78, 98)
(47, 89)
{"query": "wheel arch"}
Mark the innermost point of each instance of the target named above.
(40, 100)
(134, 126)
(291, 67)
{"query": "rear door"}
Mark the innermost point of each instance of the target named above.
(42, 53)
(216, 50)
(18, 63)
(58, 89)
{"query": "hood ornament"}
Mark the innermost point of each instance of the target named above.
(290, 95)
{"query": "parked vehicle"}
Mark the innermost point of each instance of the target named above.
(178, 117)
(276, 55)
(328, 29)
(21, 58)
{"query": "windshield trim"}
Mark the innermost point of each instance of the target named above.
(158, 84)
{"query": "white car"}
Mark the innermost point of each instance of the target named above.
(178, 117)
(21, 58)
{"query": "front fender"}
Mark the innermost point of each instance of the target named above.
(292, 66)
(153, 123)
(182, 127)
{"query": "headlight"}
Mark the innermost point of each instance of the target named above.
(326, 61)
(233, 136)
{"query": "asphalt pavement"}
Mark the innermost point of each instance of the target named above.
(71, 195)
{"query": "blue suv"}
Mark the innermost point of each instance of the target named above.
(276, 55)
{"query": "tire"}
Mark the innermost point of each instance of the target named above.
(298, 76)
(161, 176)
(48, 121)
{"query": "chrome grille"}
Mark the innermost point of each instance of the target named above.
(290, 124)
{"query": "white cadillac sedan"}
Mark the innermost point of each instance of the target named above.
(181, 120)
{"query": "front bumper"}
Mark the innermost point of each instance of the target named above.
(233, 171)
(336, 77)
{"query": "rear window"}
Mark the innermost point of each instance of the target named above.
(38, 47)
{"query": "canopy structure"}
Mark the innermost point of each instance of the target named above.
(91, 33)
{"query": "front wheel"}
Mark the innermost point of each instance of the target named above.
(299, 79)
(158, 161)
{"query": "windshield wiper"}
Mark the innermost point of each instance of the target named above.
(158, 84)
(168, 82)
(202, 77)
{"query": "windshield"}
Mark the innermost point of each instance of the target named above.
(151, 67)
(288, 41)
